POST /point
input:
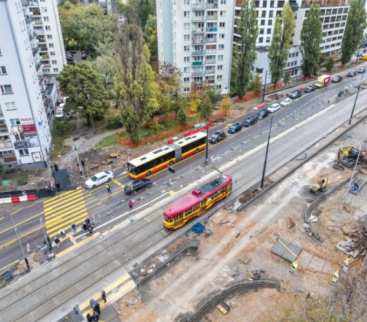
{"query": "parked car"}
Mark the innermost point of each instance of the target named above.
(351, 73)
(234, 128)
(336, 79)
(250, 120)
(309, 89)
(59, 114)
(286, 102)
(136, 185)
(274, 107)
(361, 70)
(262, 114)
(98, 179)
(295, 94)
(217, 136)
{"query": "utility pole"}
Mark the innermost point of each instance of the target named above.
(266, 154)
(19, 240)
(264, 86)
(354, 105)
(207, 144)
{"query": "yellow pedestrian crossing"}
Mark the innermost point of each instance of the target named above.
(64, 210)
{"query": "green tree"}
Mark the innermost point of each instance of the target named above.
(281, 42)
(151, 39)
(310, 41)
(137, 11)
(136, 87)
(181, 116)
(329, 64)
(256, 84)
(85, 26)
(225, 105)
(84, 87)
(286, 78)
(205, 106)
(353, 34)
(244, 52)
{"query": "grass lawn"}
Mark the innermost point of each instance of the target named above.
(108, 141)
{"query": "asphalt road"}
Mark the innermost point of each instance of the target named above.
(108, 209)
(61, 284)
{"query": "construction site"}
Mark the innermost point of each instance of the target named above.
(295, 253)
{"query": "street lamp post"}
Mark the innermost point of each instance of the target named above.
(19, 240)
(264, 86)
(266, 154)
(207, 144)
(354, 105)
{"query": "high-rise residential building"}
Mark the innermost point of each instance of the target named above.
(31, 56)
(196, 37)
(333, 17)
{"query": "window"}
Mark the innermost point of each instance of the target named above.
(47, 27)
(280, 4)
(267, 39)
(186, 26)
(264, 3)
(220, 57)
(186, 59)
(263, 22)
(186, 69)
(221, 36)
(263, 14)
(3, 70)
(186, 79)
(186, 48)
(222, 24)
(187, 89)
(261, 31)
(10, 106)
(54, 62)
(46, 19)
(268, 31)
(219, 77)
(271, 14)
(52, 53)
(6, 89)
(222, 1)
(271, 4)
(270, 22)
(186, 37)
(23, 152)
(220, 67)
(221, 46)
(187, 2)
(261, 39)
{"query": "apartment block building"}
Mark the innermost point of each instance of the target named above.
(31, 56)
(196, 37)
(333, 17)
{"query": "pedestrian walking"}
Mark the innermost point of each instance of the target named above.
(108, 187)
(92, 303)
(130, 204)
(97, 309)
(89, 318)
(104, 296)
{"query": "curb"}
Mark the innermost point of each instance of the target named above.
(19, 199)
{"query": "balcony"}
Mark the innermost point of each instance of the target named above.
(29, 129)
(212, 6)
(198, 18)
(5, 145)
(37, 21)
(210, 62)
(198, 5)
(198, 53)
(197, 41)
(211, 17)
(197, 63)
(212, 29)
(198, 31)
(9, 159)
(210, 40)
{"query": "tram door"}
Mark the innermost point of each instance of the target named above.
(178, 154)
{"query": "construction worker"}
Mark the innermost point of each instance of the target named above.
(108, 188)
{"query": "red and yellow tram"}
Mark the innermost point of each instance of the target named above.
(194, 204)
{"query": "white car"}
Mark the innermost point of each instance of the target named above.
(274, 107)
(286, 102)
(59, 113)
(99, 179)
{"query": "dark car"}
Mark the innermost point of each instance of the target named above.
(262, 114)
(295, 94)
(234, 128)
(135, 186)
(309, 89)
(351, 73)
(217, 136)
(336, 79)
(250, 120)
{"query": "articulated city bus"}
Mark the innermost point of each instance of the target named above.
(194, 204)
(162, 158)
